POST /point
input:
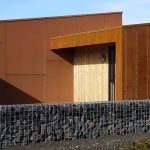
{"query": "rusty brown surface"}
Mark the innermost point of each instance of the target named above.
(66, 16)
(2, 60)
(25, 47)
(130, 68)
(35, 69)
(136, 72)
(2, 50)
(2, 32)
(85, 38)
(33, 85)
(123, 64)
(148, 61)
(72, 25)
(142, 62)
(9, 94)
(59, 81)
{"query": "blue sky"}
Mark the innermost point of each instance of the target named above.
(134, 11)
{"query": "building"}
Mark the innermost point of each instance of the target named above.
(77, 58)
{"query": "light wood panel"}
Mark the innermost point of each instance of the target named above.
(90, 74)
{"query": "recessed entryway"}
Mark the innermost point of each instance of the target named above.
(94, 69)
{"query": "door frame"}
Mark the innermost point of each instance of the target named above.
(111, 72)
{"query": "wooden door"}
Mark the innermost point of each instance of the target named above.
(91, 82)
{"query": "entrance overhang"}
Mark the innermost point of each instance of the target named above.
(111, 35)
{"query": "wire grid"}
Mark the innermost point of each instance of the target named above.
(26, 124)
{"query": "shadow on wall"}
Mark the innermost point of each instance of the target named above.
(66, 54)
(12, 95)
(89, 53)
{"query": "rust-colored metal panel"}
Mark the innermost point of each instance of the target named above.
(136, 62)
(26, 47)
(2, 32)
(113, 20)
(2, 50)
(88, 23)
(148, 59)
(33, 85)
(85, 38)
(124, 86)
(59, 81)
(119, 66)
(97, 22)
(130, 68)
(82, 23)
(142, 61)
(61, 26)
(57, 27)
(9, 94)
(2, 60)
(76, 24)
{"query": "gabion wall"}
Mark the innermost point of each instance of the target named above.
(25, 124)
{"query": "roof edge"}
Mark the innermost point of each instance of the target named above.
(136, 25)
(65, 16)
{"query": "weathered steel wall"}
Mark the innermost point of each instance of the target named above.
(2, 50)
(28, 64)
(136, 61)
(25, 56)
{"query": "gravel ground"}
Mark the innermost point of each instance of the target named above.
(106, 143)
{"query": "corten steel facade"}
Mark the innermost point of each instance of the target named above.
(37, 56)
(136, 61)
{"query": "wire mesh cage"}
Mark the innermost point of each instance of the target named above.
(26, 124)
